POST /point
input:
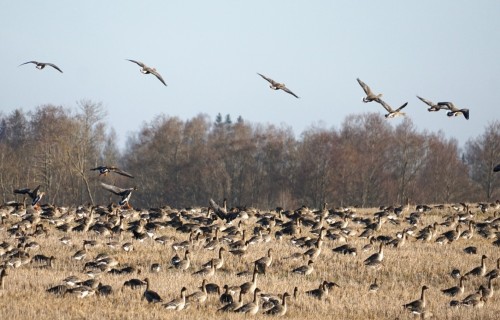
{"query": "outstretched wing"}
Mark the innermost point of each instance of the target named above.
(54, 66)
(137, 62)
(22, 191)
(365, 87)
(271, 81)
(402, 107)
(119, 171)
(429, 103)
(497, 168)
(35, 62)
(113, 189)
(385, 105)
(99, 168)
(289, 91)
(158, 76)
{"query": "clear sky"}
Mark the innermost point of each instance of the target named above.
(209, 53)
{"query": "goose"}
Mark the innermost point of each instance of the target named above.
(150, 295)
(374, 286)
(226, 297)
(305, 270)
(134, 283)
(417, 306)
(266, 261)
(475, 299)
(80, 254)
(104, 170)
(41, 65)
(277, 86)
(454, 111)
(480, 270)
(124, 193)
(185, 263)
(177, 304)
(250, 308)
(455, 291)
(233, 305)
(251, 285)
(392, 113)
(199, 296)
(375, 258)
(279, 309)
(206, 272)
(218, 262)
(488, 291)
(433, 106)
(370, 96)
(146, 70)
(3, 274)
(320, 292)
(494, 273)
(496, 168)
(35, 194)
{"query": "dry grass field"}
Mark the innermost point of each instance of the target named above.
(405, 268)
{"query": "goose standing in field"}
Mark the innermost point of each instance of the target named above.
(370, 96)
(226, 297)
(277, 86)
(495, 272)
(418, 306)
(146, 70)
(199, 296)
(3, 274)
(218, 262)
(374, 286)
(251, 285)
(455, 291)
(264, 262)
(454, 111)
(124, 193)
(206, 272)
(150, 295)
(376, 258)
(392, 113)
(177, 304)
(480, 270)
(305, 270)
(279, 309)
(319, 293)
(433, 106)
(232, 306)
(104, 170)
(41, 65)
(250, 308)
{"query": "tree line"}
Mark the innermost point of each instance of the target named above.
(366, 162)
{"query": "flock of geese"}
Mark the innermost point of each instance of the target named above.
(453, 111)
(235, 231)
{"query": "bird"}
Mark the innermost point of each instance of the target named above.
(320, 292)
(455, 291)
(41, 65)
(454, 111)
(199, 296)
(104, 170)
(306, 269)
(226, 297)
(124, 193)
(232, 306)
(279, 309)
(252, 307)
(496, 168)
(417, 306)
(3, 274)
(146, 70)
(177, 304)
(35, 194)
(150, 295)
(374, 286)
(392, 113)
(375, 258)
(370, 96)
(480, 270)
(277, 86)
(433, 106)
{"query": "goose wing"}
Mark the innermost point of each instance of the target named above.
(137, 62)
(32, 61)
(402, 107)
(54, 66)
(271, 81)
(113, 189)
(385, 105)
(429, 103)
(121, 172)
(365, 87)
(289, 91)
(158, 76)
(447, 105)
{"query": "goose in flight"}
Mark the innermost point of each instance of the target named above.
(433, 106)
(370, 96)
(124, 193)
(277, 86)
(497, 168)
(41, 65)
(145, 69)
(392, 113)
(454, 111)
(104, 170)
(34, 194)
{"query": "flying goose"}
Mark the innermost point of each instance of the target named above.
(392, 113)
(104, 170)
(146, 70)
(124, 193)
(497, 168)
(370, 96)
(34, 194)
(433, 106)
(454, 111)
(41, 65)
(277, 86)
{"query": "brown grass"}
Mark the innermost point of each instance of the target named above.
(403, 273)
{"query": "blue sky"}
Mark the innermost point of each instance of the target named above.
(209, 53)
